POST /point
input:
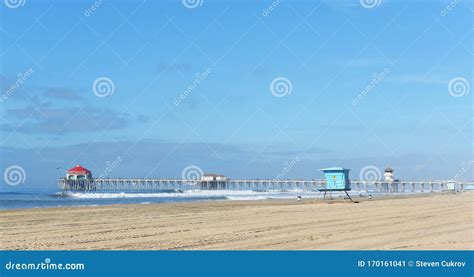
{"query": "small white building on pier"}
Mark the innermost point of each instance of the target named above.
(388, 175)
(212, 177)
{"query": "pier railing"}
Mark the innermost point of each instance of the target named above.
(150, 185)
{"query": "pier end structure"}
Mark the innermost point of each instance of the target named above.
(78, 173)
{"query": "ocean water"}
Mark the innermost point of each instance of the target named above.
(21, 200)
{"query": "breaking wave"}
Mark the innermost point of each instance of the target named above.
(223, 194)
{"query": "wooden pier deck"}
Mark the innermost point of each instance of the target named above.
(145, 185)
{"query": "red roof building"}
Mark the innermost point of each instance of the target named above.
(78, 173)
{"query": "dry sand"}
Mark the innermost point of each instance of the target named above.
(437, 221)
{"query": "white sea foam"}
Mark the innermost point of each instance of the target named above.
(226, 194)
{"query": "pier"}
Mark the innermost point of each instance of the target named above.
(79, 178)
(159, 185)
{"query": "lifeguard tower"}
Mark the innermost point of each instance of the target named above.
(337, 179)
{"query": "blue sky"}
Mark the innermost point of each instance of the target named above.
(389, 84)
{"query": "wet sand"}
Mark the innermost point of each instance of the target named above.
(436, 221)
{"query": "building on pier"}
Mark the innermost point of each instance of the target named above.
(206, 177)
(388, 175)
(212, 181)
(78, 173)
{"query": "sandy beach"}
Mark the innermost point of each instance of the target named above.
(436, 221)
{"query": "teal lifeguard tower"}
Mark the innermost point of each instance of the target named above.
(337, 179)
